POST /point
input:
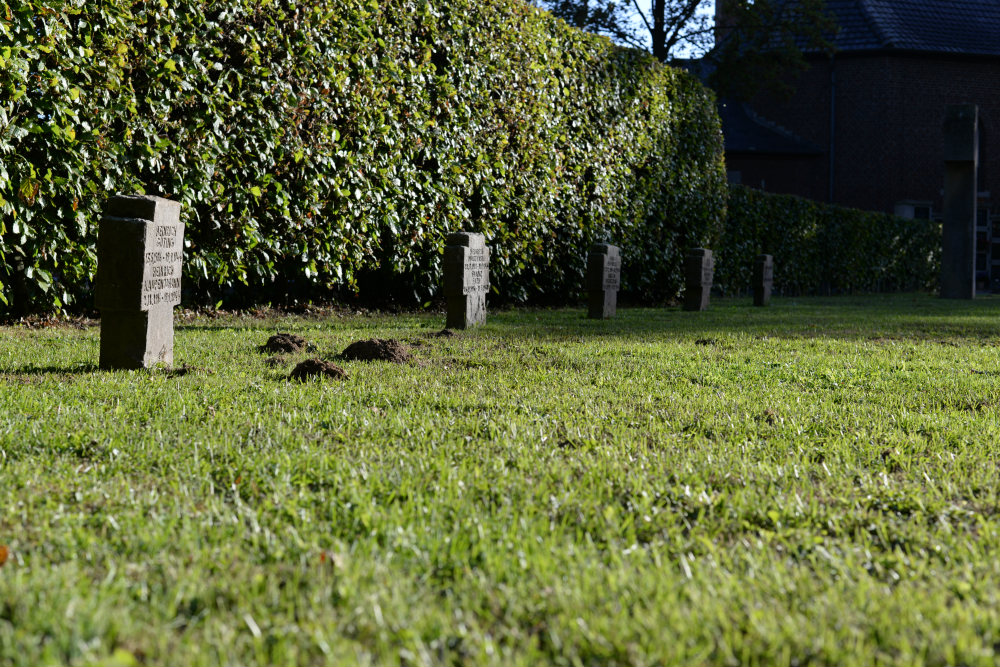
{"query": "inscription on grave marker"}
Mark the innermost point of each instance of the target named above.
(139, 253)
(604, 266)
(466, 279)
(162, 271)
(699, 269)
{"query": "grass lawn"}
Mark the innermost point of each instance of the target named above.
(812, 483)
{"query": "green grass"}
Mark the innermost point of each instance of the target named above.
(812, 483)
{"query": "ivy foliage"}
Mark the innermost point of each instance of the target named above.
(313, 143)
(824, 249)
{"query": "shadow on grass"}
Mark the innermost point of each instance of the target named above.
(885, 317)
(87, 369)
(31, 369)
(917, 317)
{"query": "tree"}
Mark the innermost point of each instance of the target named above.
(760, 41)
(676, 25)
(754, 45)
(605, 17)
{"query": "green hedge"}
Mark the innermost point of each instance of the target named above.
(314, 143)
(823, 249)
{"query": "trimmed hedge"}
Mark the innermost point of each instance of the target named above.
(824, 249)
(313, 144)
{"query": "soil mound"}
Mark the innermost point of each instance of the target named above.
(283, 342)
(444, 333)
(317, 367)
(376, 349)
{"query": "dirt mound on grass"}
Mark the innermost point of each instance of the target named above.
(283, 343)
(444, 333)
(376, 349)
(317, 367)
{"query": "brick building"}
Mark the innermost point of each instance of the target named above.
(864, 125)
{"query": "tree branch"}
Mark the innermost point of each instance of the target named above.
(680, 24)
(638, 11)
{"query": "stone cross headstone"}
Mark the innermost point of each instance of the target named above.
(961, 162)
(699, 267)
(466, 279)
(763, 279)
(139, 252)
(604, 270)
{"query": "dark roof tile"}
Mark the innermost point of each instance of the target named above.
(937, 26)
(746, 132)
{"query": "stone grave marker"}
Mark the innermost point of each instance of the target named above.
(466, 279)
(139, 252)
(699, 267)
(763, 279)
(604, 270)
(961, 163)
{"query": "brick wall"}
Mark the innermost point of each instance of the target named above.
(801, 175)
(888, 136)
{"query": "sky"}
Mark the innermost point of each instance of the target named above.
(644, 4)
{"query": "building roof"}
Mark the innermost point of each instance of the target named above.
(970, 27)
(746, 132)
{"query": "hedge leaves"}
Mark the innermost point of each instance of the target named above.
(315, 143)
(823, 249)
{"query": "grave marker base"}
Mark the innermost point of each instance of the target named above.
(763, 280)
(140, 248)
(137, 339)
(699, 267)
(602, 304)
(604, 277)
(958, 226)
(696, 298)
(466, 279)
(466, 311)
